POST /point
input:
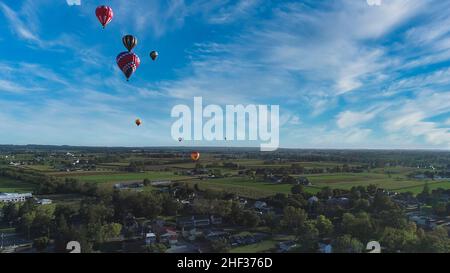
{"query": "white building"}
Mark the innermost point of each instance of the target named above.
(14, 197)
(44, 201)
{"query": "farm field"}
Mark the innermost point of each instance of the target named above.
(124, 177)
(349, 180)
(246, 188)
(10, 185)
(256, 189)
(263, 246)
(252, 163)
(432, 186)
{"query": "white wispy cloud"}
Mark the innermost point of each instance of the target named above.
(73, 2)
(18, 26)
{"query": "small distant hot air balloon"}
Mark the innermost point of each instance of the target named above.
(195, 156)
(154, 55)
(138, 122)
(104, 14)
(128, 62)
(180, 139)
(129, 41)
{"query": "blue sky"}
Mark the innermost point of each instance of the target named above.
(346, 73)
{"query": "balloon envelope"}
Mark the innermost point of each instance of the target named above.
(195, 156)
(104, 14)
(129, 41)
(154, 55)
(128, 62)
(138, 122)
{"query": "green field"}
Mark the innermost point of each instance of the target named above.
(245, 187)
(432, 186)
(349, 180)
(10, 185)
(263, 246)
(124, 177)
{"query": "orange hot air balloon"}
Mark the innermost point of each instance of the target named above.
(138, 122)
(195, 156)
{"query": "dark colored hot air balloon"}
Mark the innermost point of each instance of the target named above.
(195, 156)
(138, 122)
(128, 62)
(180, 139)
(104, 14)
(129, 41)
(154, 55)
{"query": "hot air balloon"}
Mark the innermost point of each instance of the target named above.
(128, 62)
(104, 15)
(180, 139)
(138, 122)
(129, 41)
(154, 55)
(195, 156)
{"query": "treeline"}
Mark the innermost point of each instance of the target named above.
(48, 184)
(103, 216)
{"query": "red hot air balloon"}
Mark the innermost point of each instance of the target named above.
(104, 15)
(138, 122)
(128, 62)
(195, 156)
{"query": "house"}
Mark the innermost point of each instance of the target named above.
(169, 236)
(303, 181)
(341, 201)
(216, 220)
(325, 248)
(193, 221)
(313, 200)
(150, 238)
(14, 197)
(276, 179)
(44, 201)
(286, 246)
(260, 205)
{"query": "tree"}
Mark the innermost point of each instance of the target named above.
(251, 218)
(361, 205)
(435, 241)
(155, 248)
(325, 193)
(146, 182)
(424, 196)
(220, 246)
(10, 213)
(26, 221)
(308, 236)
(293, 218)
(372, 189)
(41, 243)
(393, 218)
(270, 221)
(324, 226)
(347, 244)
(440, 209)
(170, 206)
(297, 189)
(359, 226)
(382, 202)
(394, 239)
(111, 230)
